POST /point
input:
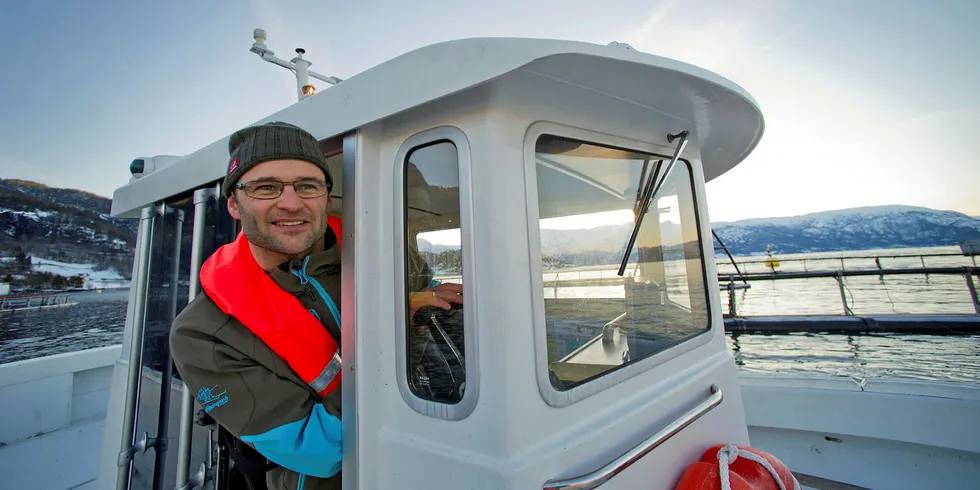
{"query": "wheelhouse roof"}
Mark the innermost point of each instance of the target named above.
(728, 120)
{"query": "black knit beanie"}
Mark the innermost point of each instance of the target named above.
(253, 145)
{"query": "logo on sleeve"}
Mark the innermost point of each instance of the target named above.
(209, 399)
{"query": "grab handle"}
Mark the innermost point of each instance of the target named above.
(602, 475)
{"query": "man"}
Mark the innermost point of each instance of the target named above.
(260, 345)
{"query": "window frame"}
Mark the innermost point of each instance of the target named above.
(552, 396)
(467, 404)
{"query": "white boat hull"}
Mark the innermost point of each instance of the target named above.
(882, 435)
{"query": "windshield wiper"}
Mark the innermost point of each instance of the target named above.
(650, 188)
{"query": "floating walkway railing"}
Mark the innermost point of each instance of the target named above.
(876, 259)
(849, 322)
(35, 301)
(746, 278)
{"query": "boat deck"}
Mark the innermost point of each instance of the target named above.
(70, 456)
(52, 414)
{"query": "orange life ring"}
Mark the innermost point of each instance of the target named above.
(743, 467)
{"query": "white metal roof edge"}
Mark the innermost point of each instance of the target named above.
(409, 80)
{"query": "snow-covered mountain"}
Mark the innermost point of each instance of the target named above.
(65, 225)
(880, 227)
(876, 227)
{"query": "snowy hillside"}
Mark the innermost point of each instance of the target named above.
(94, 279)
(34, 213)
(876, 227)
(57, 226)
(66, 225)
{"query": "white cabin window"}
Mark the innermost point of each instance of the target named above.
(596, 320)
(434, 338)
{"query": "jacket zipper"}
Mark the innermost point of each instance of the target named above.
(306, 280)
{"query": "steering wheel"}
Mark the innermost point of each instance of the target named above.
(437, 362)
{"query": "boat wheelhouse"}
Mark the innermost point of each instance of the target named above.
(476, 146)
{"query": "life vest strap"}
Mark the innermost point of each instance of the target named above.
(328, 374)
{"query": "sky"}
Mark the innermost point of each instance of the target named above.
(866, 103)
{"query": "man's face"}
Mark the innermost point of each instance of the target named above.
(288, 225)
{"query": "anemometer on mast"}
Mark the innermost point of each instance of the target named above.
(298, 65)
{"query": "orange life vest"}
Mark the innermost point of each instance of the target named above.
(239, 287)
(743, 467)
(335, 224)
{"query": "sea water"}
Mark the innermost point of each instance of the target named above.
(99, 319)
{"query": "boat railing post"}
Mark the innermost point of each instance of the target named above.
(166, 375)
(968, 275)
(128, 446)
(731, 297)
(185, 434)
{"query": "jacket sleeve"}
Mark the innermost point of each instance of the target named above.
(281, 419)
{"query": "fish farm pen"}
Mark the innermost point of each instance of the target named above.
(936, 296)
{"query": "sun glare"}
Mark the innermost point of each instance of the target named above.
(579, 222)
(587, 221)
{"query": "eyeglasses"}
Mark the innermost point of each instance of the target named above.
(271, 189)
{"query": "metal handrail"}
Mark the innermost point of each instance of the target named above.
(135, 374)
(729, 254)
(954, 270)
(592, 480)
(762, 258)
(185, 434)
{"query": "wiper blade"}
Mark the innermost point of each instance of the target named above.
(650, 189)
(641, 189)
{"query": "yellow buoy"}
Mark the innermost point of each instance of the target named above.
(772, 263)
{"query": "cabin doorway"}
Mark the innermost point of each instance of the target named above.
(167, 277)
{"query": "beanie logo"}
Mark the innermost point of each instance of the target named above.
(233, 166)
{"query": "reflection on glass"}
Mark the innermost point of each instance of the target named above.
(598, 321)
(434, 261)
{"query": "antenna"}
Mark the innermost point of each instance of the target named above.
(298, 65)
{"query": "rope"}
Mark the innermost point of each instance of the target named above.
(730, 453)
(853, 301)
(888, 295)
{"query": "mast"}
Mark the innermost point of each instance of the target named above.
(298, 65)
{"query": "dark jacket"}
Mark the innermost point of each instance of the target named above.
(253, 393)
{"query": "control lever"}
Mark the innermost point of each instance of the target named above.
(141, 446)
(198, 479)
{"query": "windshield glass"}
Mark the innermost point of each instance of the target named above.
(597, 321)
